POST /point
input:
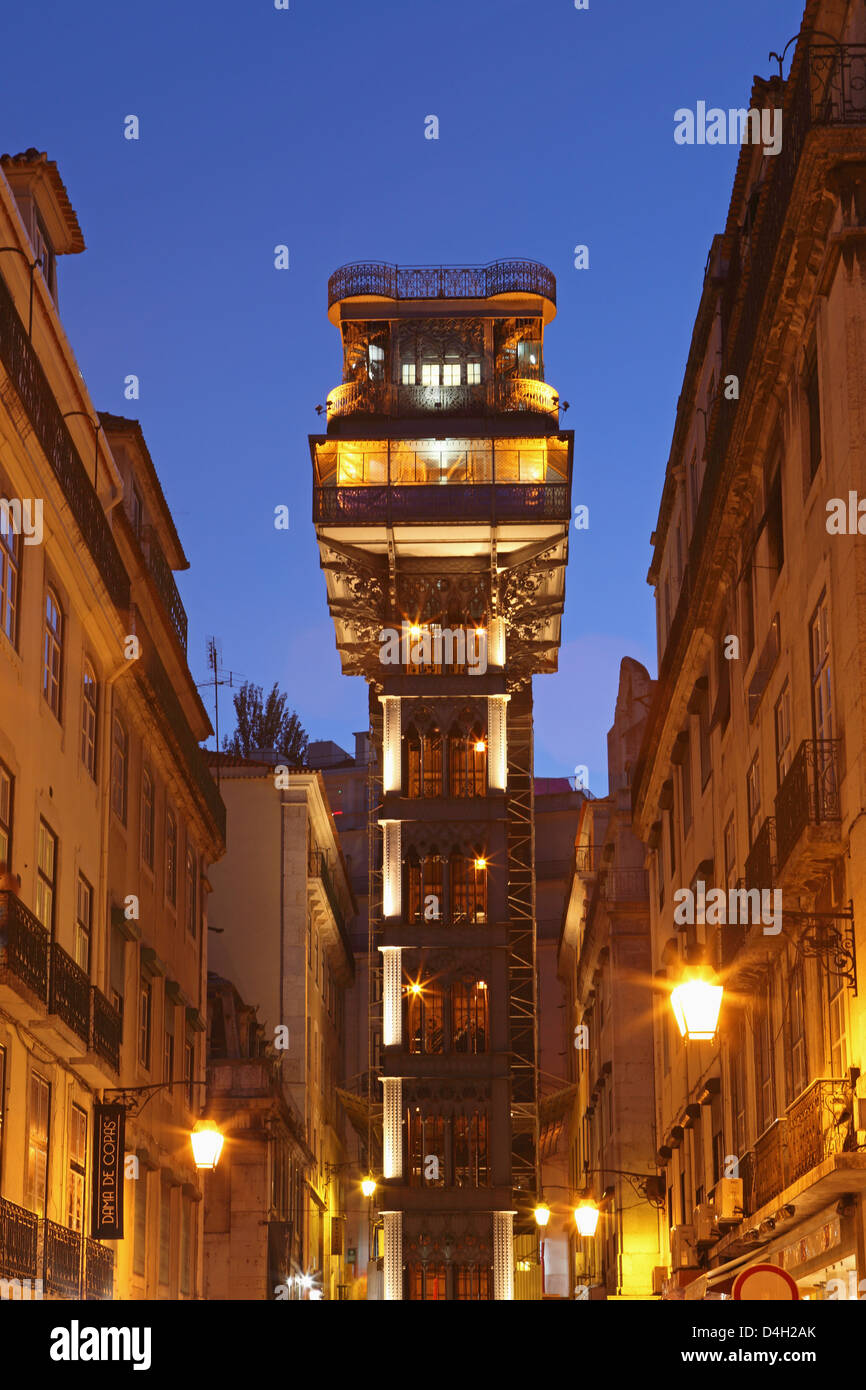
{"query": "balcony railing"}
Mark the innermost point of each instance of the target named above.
(61, 1260)
(625, 885)
(98, 1271)
(587, 860)
(164, 581)
(69, 992)
(761, 859)
(385, 398)
(771, 1176)
(106, 1029)
(31, 384)
(19, 1242)
(23, 946)
(441, 282)
(819, 1125)
(376, 506)
(809, 795)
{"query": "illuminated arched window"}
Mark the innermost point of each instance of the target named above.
(424, 887)
(468, 888)
(470, 1148)
(467, 760)
(423, 762)
(425, 1017)
(470, 1016)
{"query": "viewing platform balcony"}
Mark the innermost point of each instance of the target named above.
(512, 395)
(380, 280)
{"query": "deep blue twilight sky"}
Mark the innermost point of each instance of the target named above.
(306, 127)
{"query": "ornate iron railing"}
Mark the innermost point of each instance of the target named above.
(374, 505)
(23, 945)
(62, 1260)
(761, 859)
(523, 393)
(820, 1124)
(164, 580)
(770, 1163)
(625, 885)
(27, 376)
(69, 992)
(383, 398)
(98, 1271)
(587, 859)
(19, 1235)
(809, 795)
(106, 1028)
(441, 282)
(746, 1171)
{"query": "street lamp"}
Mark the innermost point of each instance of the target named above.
(207, 1143)
(368, 1185)
(586, 1215)
(542, 1215)
(696, 1002)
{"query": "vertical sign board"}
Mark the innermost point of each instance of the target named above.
(106, 1216)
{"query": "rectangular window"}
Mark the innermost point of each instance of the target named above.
(88, 719)
(46, 876)
(753, 797)
(39, 1111)
(429, 373)
(764, 1069)
(794, 1018)
(186, 1246)
(822, 686)
(730, 854)
(6, 789)
(686, 786)
(165, 1234)
(704, 740)
(775, 528)
(10, 569)
(2, 1101)
(145, 1007)
(170, 857)
(52, 651)
(139, 1242)
(813, 406)
(83, 924)
(168, 1052)
(189, 1072)
(119, 770)
(473, 373)
(451, 374)
(77, 1176)
(408, 373)
(838, 1024)
(747, 601)
(782, 722)
(148, 817)
(191, 893)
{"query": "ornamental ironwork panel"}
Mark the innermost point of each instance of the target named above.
(441, 282)
(69, 992)
(106, 1029)
(164, 580)
(761, 859)
(23, 945)
(27, 376)
(423, 502)
(820, 1124)
(809, 795)
(98, 1271)
(61, 1260)
(771, 1163)
(19, 1231)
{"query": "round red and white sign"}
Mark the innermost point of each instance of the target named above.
(765, 1284)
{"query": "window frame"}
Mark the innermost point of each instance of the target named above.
(52, 652)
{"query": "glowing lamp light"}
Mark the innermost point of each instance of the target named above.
(542, 1215)
(415, 988)
(586, 1218)
(480, 746)
(207, 1144)
(414, 630)
(481, 863)
(368, 1186)
(482, 984)
(696, 1002)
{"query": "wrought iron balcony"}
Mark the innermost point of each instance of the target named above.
(31, 384)
(164, 581)
(820, 1124)
(106, 1029)
(771, 1166)
(377, 506)
(587, 860)
(98, 1271)
(19, 1242)
(69, 992)
(61, 1267)
(809, 797)
(441, 282)
(386, 398)
(625, 885)
(761, 859)
(24, 946)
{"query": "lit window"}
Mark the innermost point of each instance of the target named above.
(145, 1005)
(83, 924)
(46, 876)
(36, 1176)
(408, 373)
(170, 857)
(52, 652)
(191, 893)
(429, 373)
(10, 567)
(473, 373)
(451, 374)
(119, 770)
(88, 720)
(77, 1168)
(5, 816)
(147, 818)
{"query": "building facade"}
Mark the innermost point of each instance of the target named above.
(281, 911)
(751, 778)
(109, 818)
(442, 507)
